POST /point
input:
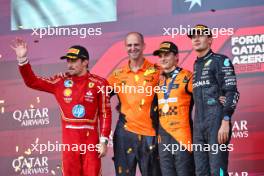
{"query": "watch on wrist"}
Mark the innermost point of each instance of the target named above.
(227, 118)
(104, 140)
(22, 61)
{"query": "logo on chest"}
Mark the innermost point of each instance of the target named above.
(68, 83)
(208, 63)
(89, 96)
(90, 84)
(201, 83)
(67, 95)
(149, 79)
(67, 92)
(78, 111)
(175, 86)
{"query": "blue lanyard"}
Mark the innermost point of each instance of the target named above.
(167, 92)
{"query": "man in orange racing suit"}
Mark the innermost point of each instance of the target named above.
(82, 103)
(135, 139)
(175, 105)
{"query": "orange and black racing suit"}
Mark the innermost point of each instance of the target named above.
(175, 123)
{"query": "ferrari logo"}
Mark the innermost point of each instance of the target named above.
(91, 85)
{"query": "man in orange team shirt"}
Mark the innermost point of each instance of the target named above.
(134, 136)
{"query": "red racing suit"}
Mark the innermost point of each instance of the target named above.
(82, 103)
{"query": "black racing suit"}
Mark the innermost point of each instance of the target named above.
(214, 76)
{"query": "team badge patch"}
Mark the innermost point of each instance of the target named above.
(226, 62)
(90, 84)
(68, 83)
(67, 92)
(78, 111)
(211, 101)
(149, 71)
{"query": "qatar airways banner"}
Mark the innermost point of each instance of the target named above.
(30, 118)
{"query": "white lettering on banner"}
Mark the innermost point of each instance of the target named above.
(248, 50)
(32, 117)
(31, 165)
(247, 40)
(249, 59)
(238, 173)
(239, 129)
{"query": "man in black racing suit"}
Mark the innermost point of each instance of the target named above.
(214, 76)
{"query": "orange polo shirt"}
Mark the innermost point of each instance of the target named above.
(136, 96)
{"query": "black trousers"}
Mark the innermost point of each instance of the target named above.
(174, 163)
(215, 161)
(131, 149)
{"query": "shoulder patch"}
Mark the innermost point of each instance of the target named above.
(187, 75)
(95, 79)
(118, 71)
(150, 71)
(208, 63)
(60, 75)
(187, 72)
(221, 56)
(100, 79)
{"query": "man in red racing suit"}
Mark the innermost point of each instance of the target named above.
(83, 101)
